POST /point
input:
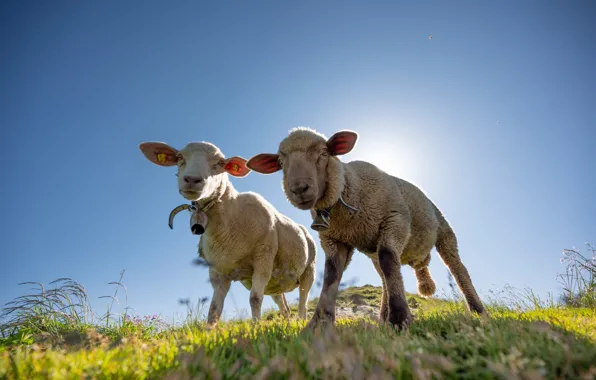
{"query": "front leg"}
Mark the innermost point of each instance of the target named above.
(262, 268)
(337, 256)
(399, 312)
(221, 286)
(391, 246)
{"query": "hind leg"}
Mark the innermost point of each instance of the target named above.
(286, 305)
(426, 285)
(384, 312)
(447, 248)
(425, 282)
(306, 281)
(283, 306)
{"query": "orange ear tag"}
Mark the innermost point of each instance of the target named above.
(161, 157)
(234, 167)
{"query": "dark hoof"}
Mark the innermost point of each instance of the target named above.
(401, 323)
(317, 326)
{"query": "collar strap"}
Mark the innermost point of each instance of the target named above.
(322, 219)
(204, 205)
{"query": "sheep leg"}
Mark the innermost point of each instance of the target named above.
(425, 282)
(285, 301)
(283, 307)
(307, 278)
(305, 283)
(384, 312)
(337, 255)
(447, 248)
(399, 312)
(260, 278)
(221, 286)
(391, 246)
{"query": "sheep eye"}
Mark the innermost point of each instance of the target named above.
(180, 160)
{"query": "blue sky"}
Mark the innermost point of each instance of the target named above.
(494, 118)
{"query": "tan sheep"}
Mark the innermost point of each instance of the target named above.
(246, 239)
(356, 205)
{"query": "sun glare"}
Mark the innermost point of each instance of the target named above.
(392, 154)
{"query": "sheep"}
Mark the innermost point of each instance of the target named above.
(246, 239)
(356, 205)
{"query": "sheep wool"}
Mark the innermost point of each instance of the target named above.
(388, 219)
(246, 239)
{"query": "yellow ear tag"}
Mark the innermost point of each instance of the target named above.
(161, 157)
(236, 167)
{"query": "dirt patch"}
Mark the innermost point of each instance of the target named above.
(357, 311)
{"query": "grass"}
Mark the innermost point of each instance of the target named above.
(444, 342)
(579, 279)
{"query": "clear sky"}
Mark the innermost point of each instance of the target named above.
(494, 118)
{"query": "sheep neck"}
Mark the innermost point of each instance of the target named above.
(336, 183)
(224, 191)
(332, 197)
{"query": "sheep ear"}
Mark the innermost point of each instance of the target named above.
(159, 153)
(236, 166)
(264, 163)
(342, 142)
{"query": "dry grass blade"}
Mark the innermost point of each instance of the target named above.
(111, 297)
(41, 288)
(108, 315)
(64, 305)
(61, 279)
(118, 283)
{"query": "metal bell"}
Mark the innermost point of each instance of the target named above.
(198, 222)
(321, 221)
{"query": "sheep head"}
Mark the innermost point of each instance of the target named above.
(201, 166)
(310, 167)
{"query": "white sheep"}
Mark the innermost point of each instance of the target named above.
(356, 205)
(246, 238)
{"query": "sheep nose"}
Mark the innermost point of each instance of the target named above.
(299, 188)
(192, 179)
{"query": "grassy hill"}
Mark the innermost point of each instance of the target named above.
(365, 301)
(444, 342)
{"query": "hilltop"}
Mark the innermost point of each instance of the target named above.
(444, 342)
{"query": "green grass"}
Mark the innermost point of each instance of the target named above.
(444, 342)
